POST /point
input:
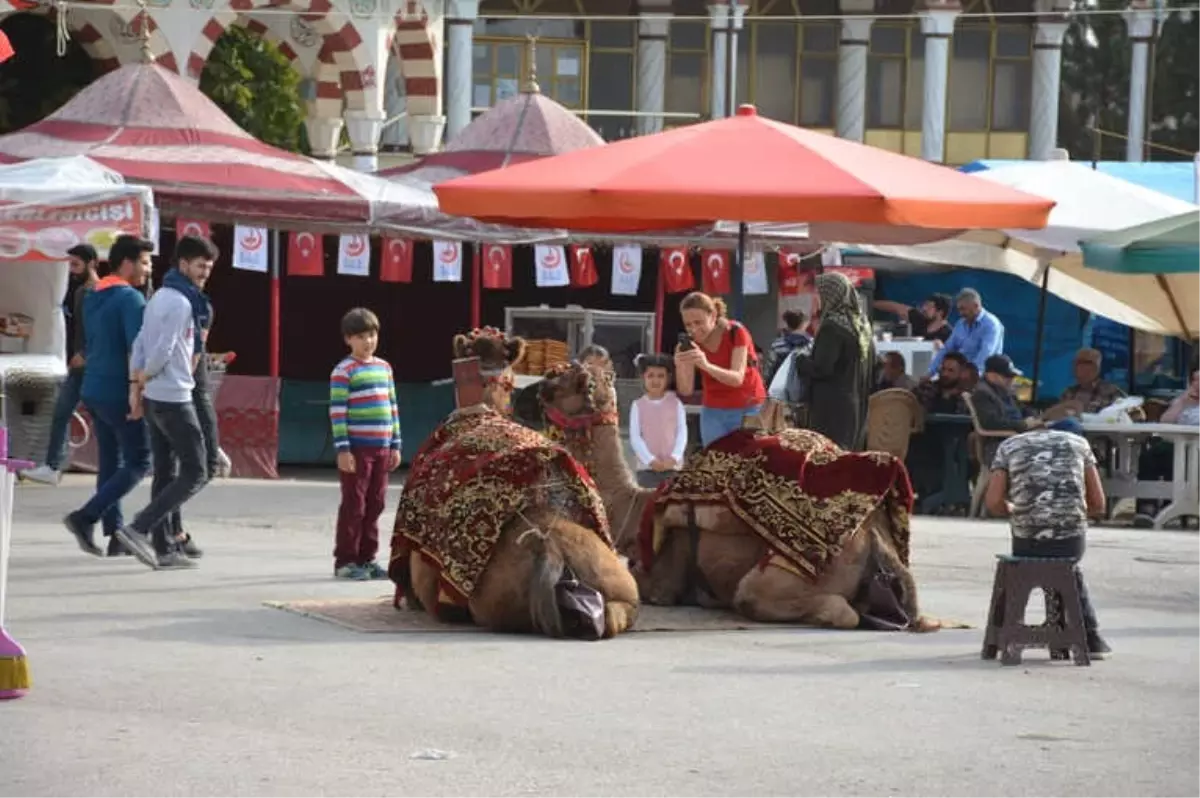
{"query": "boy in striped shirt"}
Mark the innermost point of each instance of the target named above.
(366, 434)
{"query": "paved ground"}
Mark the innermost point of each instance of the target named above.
(181, 683)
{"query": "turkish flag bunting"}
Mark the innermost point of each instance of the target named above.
(715, 263)
(676, 269)
(789, 273)
(305, 257)
(192, 227)
(583, 267)
(396, 261)
(497, 267)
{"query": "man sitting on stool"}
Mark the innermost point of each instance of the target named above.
(1047, 481)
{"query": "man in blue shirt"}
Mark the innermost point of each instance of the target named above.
(978, 334)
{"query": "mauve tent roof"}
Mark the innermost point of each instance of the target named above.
(157, 129)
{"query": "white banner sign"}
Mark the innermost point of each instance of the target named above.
(626, 270)
(354, 254)
(754, 276)
(447, 262)
(250, 248)
(551, 264)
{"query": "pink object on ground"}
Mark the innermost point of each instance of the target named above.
(9, 649)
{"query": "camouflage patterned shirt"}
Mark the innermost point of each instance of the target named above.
(1046, 471)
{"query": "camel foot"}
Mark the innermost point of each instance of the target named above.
(832, 610)
(618, 617)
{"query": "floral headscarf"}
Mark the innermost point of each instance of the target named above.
(839, 307)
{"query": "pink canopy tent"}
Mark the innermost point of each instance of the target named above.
(157, 129)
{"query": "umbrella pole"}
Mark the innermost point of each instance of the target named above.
(1037, 339)
(476, 285)
(660, 303)
(739, 269)
(273, 367)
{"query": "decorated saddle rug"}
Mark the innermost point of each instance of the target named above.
(801, 493)
(477, 472)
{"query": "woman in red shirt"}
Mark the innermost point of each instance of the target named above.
(723, 351)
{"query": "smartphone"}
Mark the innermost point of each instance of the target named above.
(685, 341)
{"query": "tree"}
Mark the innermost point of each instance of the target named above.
(256, 86)
(1095, 82)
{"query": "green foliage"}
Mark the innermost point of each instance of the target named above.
(256, 86)
(36, 82)
(1095, 83)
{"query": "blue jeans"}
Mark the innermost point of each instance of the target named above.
(64, 407)
(717, 422)
(124, 458)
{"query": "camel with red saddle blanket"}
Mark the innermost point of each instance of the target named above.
(785, 528)
(500, 527)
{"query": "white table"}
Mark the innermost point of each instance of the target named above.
(917, 353)
(1184, 489)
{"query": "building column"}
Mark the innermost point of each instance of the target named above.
(460, 29)
(852, 77)
(653, 29)
(718, 15)
(425, 132)
(324, 135)
(363, 128)
(1139, 19)
(1047, 81)
(937, 25)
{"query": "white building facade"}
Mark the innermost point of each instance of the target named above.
(944, 80)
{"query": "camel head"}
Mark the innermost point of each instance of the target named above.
(497, 353)
(575, 397)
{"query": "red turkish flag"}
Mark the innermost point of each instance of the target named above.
(396, 261)
(789, 273)
(6, 49)
(306, 256)
(192, 227)
(497, 267)
(676, 269)
(583, 267)
(715, 268)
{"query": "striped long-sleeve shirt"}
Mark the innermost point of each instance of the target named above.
(362, 405)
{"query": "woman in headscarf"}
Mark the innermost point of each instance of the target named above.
(841, 369)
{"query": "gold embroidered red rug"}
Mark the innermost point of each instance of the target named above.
(473, 475)
(796, 489)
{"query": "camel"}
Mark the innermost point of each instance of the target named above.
(538, 558)
(709, 555)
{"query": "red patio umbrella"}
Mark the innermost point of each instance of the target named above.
(745, 168)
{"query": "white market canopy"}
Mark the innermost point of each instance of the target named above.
(1089, 203)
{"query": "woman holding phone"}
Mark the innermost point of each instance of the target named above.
(723, 352)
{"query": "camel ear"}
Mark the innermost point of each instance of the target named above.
(516, 350)
(462, 346)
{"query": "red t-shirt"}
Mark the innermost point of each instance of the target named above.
(728, 397)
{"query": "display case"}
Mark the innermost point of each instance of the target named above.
(624, 334)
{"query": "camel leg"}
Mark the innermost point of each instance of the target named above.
(775, 595)
(501, 599)
(424, 583)
(599, 567)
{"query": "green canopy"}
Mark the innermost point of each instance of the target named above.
(1170, 245)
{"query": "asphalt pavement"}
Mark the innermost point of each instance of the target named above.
(183, 683)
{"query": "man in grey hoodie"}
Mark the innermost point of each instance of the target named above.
(162, 365)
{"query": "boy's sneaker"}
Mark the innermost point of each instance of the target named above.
(351, 571)
(116, 548)
(374, 570)
(43, 474)
(139, 545)
(173, 561)
(1098, 648)
(190, 548)
(83, 533)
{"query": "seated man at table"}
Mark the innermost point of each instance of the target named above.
(1047, 482)
(993, 398)
(944, 395)
(893, 373)
(1089, 394)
